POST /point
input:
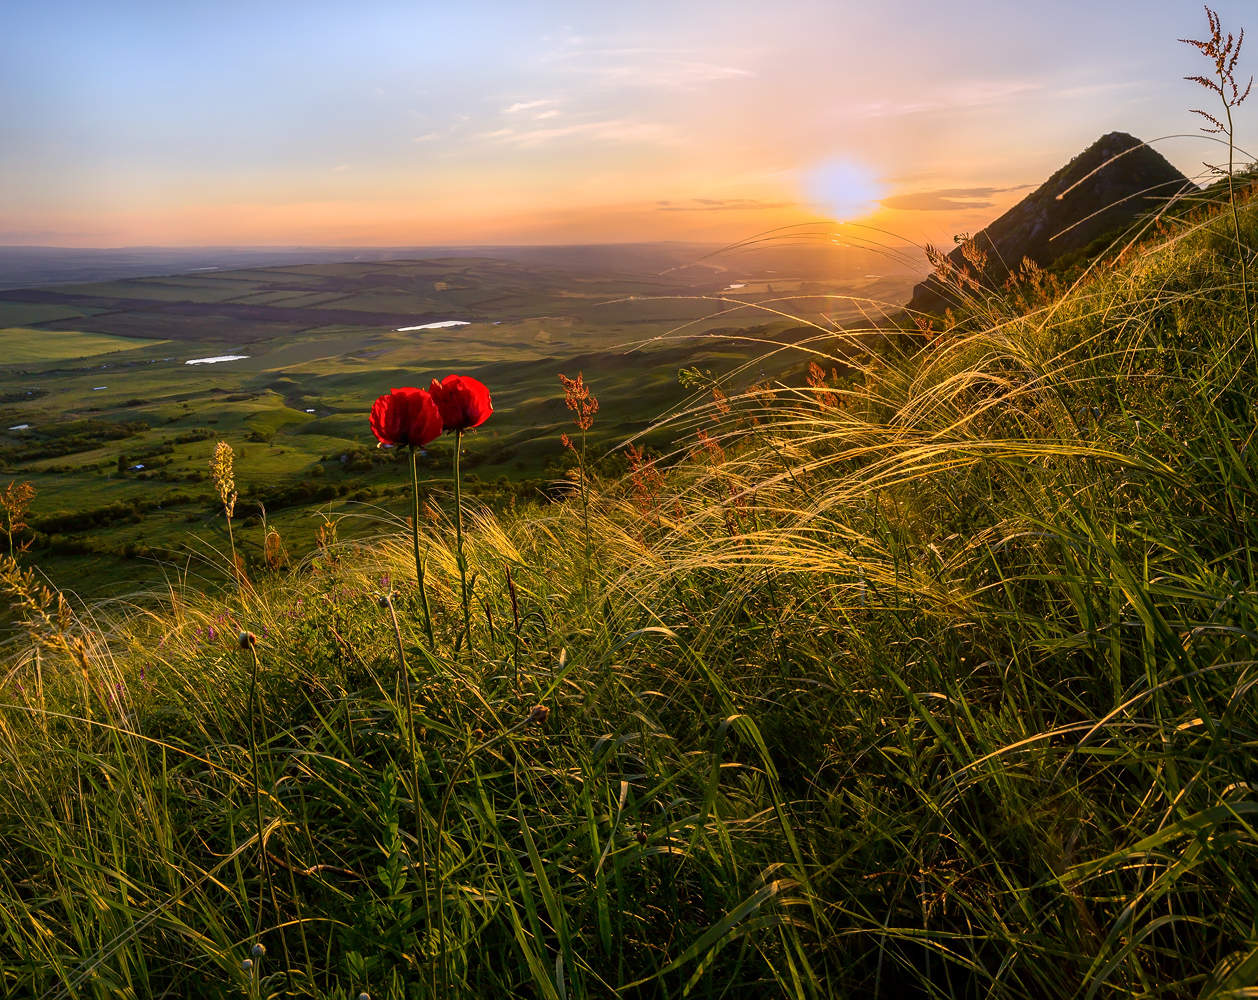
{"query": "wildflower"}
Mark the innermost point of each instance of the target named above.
(463, 401)
(713, 447)
(580, 400)
(247, 965)
(224, 478)
(258, 950)
(405, 417)
(817, 380)
(247, 640)
(15, 501)
(539, 714)
(721, 400)
(646, 478)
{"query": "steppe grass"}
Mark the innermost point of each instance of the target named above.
(933, 681)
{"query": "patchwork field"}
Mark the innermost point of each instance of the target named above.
(114, 427)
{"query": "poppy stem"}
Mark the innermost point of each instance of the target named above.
(419, 563)
(458, 536)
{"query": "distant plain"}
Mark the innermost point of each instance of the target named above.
(119, 428)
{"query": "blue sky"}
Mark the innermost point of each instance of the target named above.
(392, 123)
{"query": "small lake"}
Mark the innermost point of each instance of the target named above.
(217, 360)
(441, 325)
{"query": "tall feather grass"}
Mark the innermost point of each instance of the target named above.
(932, 679)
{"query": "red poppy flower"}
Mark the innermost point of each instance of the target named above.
(463, 401)
(406, 417)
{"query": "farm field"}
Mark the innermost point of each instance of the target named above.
(110, 409)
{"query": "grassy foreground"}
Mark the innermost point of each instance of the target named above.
(936, 683)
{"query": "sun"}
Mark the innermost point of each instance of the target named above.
(844, 188)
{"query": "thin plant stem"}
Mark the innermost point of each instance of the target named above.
(419, 563)
(231, 539)
(585, 519)
(1236, 223)
(458, 536)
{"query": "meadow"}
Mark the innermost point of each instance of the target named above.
(927, 672)
(114, 429)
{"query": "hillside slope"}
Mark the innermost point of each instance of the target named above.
(1100, 192)
(934, 682)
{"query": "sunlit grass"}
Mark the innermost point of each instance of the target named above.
(932, 679)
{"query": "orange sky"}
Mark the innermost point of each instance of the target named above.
(399, 124)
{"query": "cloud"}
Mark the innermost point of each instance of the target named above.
(947, 199)
(519, 106)
(646, 67)
(720, 205)
(552, 113)
(606, 130)
(959, 96)
(426, 137)
(340, 168)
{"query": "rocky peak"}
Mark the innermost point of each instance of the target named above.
(1100, 192)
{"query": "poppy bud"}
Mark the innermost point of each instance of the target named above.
(247, 640)
(539, 714)
(258, 950)
(247, 965)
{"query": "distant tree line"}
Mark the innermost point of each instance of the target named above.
(66, 439)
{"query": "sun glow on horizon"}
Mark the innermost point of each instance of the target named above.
(488, 123)
(845, 189)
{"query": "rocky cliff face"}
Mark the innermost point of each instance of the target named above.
(1090, 197)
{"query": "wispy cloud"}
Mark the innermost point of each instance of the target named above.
(720, 205)
(545, 115)
(427, 137)
(959, 96)
(947, 199)
(646, 67)
(602, 130)
(1096, 89)
(519, 106)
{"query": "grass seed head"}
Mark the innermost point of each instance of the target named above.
(579, 400)
(223, 475)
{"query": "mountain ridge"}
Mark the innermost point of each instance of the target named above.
(1100, 191)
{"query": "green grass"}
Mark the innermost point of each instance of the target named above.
(935, 681)
(260, 403)
(13, 314)
(22, 345)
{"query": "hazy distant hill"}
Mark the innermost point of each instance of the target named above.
(1101, 191)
